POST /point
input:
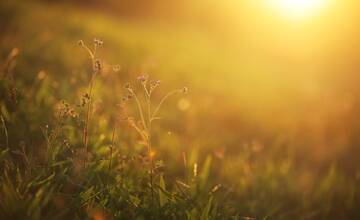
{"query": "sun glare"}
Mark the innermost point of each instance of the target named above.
(297, 8)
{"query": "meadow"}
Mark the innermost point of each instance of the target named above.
(108, 113)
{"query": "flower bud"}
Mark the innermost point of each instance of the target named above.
(184, 90)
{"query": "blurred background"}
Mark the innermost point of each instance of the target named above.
(273, 85)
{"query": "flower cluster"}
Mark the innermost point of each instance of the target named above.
(126, 98)
(143, 78)
(116, 68)
(81, 43)
(65, 110)
(154, 84)
(85, 98)
(97, 65)
(98, 42)
(184, 90)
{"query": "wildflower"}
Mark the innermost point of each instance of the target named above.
(142, 78)
(184, 90)
(127, 86)
(116, 68)
(97, 65)
(67, 143)
(86, 95)
(81, 43)
(154, 84)
(98, 42)
(84, 99)
(72, 113)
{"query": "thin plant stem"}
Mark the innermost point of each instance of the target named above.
(88, 113)
(111, 151)
(95, 48)
(162, 101)
(149, 145)
(140, 110)
(92, 55)
(5, 131)
(146, 120)
(89, 105)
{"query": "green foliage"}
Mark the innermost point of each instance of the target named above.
(163, 199)
(80, 179)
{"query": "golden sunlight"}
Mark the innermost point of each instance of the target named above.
(297, 8)
(189, 109)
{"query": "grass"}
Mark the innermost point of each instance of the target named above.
(83, 138)
(101, 184)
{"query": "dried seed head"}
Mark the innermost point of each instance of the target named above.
(127, 86)
(81, 43)
(83, 102)
(97, 65)
(116, 68)
(98, 42)
(84, 99)
(154, 84)
(72, 113)
(86, 95)
(184, 90)
(66, 143)
(142, 78)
